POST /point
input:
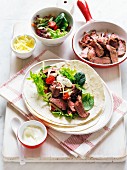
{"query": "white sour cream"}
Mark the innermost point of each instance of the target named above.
(32, 135)
(64, 81)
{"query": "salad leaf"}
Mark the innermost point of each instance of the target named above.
(60, 114)
(39, 82)
(80, 78)
(64, 24)
(88, 101)
(57, 113)
(59, 18)
(47, 96)
(56, 33)
(67, 72)
(43, 76)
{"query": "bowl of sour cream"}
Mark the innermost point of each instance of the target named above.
(32, 134)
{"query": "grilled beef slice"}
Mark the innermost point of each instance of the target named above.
(94, 35)
(60, 103)
(114, 41)
(98, 48)
(102, 41)
(102, 60)
(114, 36)
(91, 53)
(75, 93)
(121, 48)
(80, 109)
(86, 38)
(105, 34)
(85, 52)
(55, 88)
(71, 105)
(113, 53)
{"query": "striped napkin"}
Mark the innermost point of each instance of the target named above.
(77, 145)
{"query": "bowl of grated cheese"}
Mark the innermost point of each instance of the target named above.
(23, 46)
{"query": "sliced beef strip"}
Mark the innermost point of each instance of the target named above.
(80, 109)
(83, 45)
(102, 41)
(84, 52)
(94, 35)
(98, 48)
(91, 53)
(114, 36)
(121, 48)
(86, 38)
(55, 88)
(102, 60)
(114, 41)
(105, 34)
(71, 105)
(113, 53)
(60, 103)
(75, 93)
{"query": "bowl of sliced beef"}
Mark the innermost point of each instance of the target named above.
(99, 43)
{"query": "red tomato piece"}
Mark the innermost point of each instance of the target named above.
(66, 96)
(50, 79)
(52, 24)
(56, 27)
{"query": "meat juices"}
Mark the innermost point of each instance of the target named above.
(102, 48)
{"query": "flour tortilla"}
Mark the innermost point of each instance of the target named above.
(65, 129)
(93, 85)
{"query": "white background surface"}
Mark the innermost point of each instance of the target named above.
(13, 11)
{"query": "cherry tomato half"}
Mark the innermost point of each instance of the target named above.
(56, 27)
(50, 79)
(52, 24)
(66, 96)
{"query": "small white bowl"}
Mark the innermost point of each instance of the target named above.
(53, 11)
(23, 54)
(37, 126)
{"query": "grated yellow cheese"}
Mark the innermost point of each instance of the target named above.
(24, 43)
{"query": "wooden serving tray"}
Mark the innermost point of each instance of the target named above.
(112, 148)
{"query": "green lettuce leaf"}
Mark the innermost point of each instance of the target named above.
(60, 114)
(39, 82)
(56, 33)
(67, 72)
(88, 101)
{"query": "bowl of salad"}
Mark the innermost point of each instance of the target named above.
(52, 25)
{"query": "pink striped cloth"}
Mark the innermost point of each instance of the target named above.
(77, 145)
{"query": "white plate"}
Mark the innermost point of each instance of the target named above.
(103, 119)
